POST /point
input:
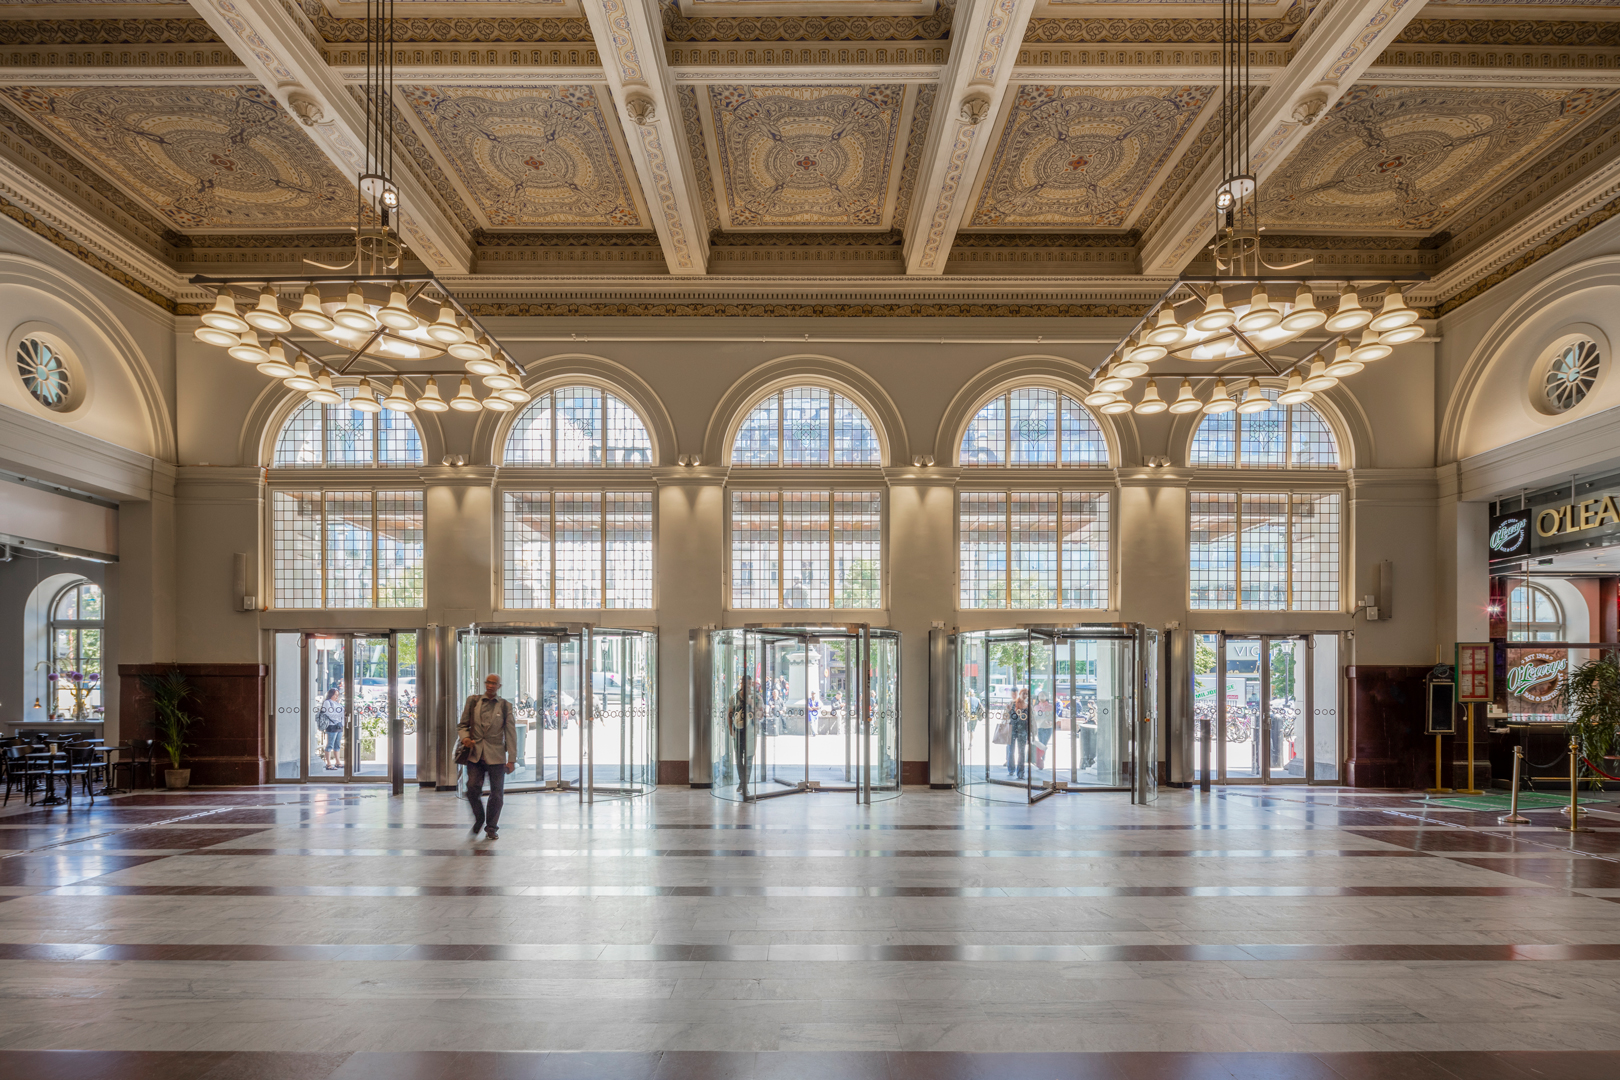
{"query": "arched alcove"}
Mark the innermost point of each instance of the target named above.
(806, 370)
(1045, 372)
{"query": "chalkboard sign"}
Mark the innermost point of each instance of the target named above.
(1442, 708)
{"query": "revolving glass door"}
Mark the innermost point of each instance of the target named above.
(803, 709)
(1049, 710)
(599, 744)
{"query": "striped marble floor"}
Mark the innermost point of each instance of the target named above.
(338, 932)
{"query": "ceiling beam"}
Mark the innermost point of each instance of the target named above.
(278, 51)
(630, 39)
(1338, 50)
(985, 36)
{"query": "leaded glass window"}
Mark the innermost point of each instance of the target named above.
(578, 426)
(806, 549)
(1033, 428)
(806, 426)
(341, 437)
(1282, 437)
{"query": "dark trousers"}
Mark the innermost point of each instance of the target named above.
(740, 739)
(476, 771)
(1017, 750)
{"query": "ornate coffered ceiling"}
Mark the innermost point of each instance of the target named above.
(531, 157)
(806, 157)
(1396, 158)
(1081, 157)
(1068, 143)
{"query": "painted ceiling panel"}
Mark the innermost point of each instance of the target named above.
(534, 157)
(807, 156)
(1082, 156)
(202, 158)
(1406, 158)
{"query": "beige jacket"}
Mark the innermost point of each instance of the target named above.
(494, 738)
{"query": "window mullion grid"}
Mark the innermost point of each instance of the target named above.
(376, 551)
(1007, 463)
(1007, 557)
(781, 454)
(832, 533)
(551, 513)
(1237, 552)
(1288, 544)
(604, 526)
(320, 540)
(781, 528)
(1062, 517)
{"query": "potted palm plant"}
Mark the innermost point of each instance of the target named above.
(1592, 702)
(170, 691)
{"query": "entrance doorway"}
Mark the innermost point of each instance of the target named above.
(1266, 708)
(805, 709)
(1044, 710)
(345, 706)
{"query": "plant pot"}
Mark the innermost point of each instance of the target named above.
(176, 779)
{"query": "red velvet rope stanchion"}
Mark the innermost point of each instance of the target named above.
(1597, 770)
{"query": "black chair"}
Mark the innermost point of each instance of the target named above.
(80, 762)
(138, 747)
(15, 768)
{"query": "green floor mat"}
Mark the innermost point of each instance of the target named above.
(1528, 800)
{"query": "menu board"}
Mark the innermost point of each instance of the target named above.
(1535, 683)
(1474, 671)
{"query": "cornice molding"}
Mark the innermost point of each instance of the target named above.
(135, 267)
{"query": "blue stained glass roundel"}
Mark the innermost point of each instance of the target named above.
(44, 373)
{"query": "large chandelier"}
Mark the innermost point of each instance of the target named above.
(1249, 307)
(382, 316)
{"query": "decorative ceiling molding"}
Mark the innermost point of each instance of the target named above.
(1397, 158)
(1571, 232)
(679, 28)
(1519, 32)
(105, 31)
(971, 90)
(825, 56)
(644, 94)
(115, 255)
(453, 54)
(759, 76)
(472, 28)
(1328, 64)
(265, 35)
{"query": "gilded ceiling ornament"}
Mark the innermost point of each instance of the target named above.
(535, 156)
(1082, 156)
(201, 157)
(806, 156)
(1391, 157)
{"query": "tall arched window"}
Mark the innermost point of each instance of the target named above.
(1282, 437)
(339, 436)
(76, 629)
(1040, 544)
(574, 546)
(1271, 549)
(806, 547)
(346, 544)
(578, 426)
(806, 426)
(1034, 428)
(1534, 615)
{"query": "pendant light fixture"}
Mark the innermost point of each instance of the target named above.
(1394, 313)
(1344, 363)
(1370, 348)
(1318, 379)
(1186, 401)
(1294, 393)
(1254, 399)
(365, 399)
(430, 401)
(1151, 402)
(1220, 400)
(464, 401)
(324, 391)
(372, 305)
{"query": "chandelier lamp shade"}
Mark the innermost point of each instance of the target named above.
(1204, 329)
(391, 329)
(392, 324)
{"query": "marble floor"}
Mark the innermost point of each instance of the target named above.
(340, 932)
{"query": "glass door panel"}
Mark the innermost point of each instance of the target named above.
(1146, 724)
(287, 726)
(405, 646)
(367, 751)
(327, 706)
(1240, 737)
(1042, 717)
(1285, 698)
(1324, 712)
(1206, 704)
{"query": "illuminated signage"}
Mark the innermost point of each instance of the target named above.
(1510, 535)
(1577, 517)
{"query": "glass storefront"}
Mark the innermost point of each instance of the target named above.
(801, 709)
(599, 744)
(1062, 709)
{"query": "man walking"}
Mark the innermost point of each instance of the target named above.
(490, 736)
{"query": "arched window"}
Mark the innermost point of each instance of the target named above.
(806, 426)
(1533, 615)
(338, 436)
(578, 426)
(1034, 428)
(1282, 437)
(76, 628)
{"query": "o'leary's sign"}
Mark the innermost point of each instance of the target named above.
(1535, 684)
(1544, 530)
(1510, 535)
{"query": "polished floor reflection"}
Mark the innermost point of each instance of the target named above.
(324, 932)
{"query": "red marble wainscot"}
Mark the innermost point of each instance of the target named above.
(228, 742)
(1387, 746)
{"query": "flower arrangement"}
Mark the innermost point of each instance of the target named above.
(79, 684)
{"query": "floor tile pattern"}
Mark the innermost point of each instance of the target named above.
(337, 932)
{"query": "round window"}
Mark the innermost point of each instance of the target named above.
(44, 373)
(1571, 375)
